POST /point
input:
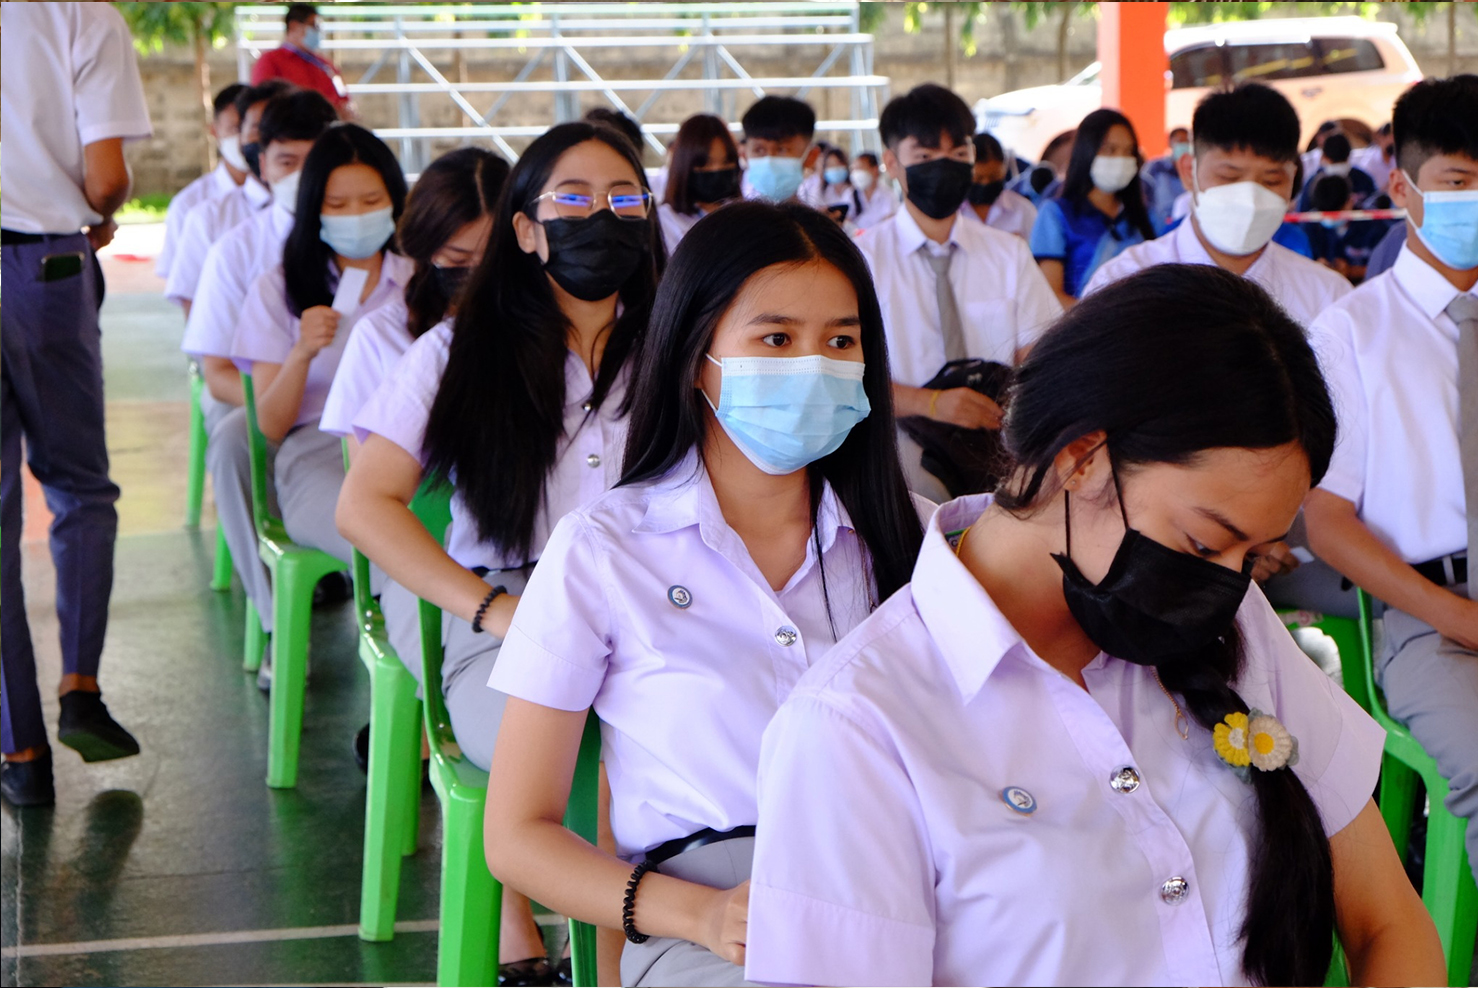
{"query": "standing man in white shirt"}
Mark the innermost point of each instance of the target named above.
(208, 221)
(228, 174)
(988, 200)
(1397, 512)
(71, 97)
(1240, 178)
(948, 289)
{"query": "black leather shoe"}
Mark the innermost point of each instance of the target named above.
(86, 726)
(28, 783)
(333, 588)
(532, 971)
(564, 973)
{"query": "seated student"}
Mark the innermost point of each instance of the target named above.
(1100, 210)
(444, 231)
(229, 172)
(205, 224)
(761, 515)
(521, 401)
(1080, 747)
(1240, 177)
(1162, 181)
(1313, 155)
(291, 122)
(988, 200)
(1398, 511)
(1044, 180)
(877, 200)
(1343, 245)
(290, 336)
(1335, 160)
(702, 174)
(777, 141)
(949, 288)
(836, 196)
(1377, 160)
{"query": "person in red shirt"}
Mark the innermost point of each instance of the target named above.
(298, 61)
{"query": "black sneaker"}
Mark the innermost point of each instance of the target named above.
(86, 726)
(28, 783)
(333, 588)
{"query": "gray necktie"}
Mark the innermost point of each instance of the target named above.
(949, 312)
(1464, 312)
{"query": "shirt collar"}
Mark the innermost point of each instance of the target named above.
(965, 625)
(257, 195)
(221, 178)
(396, 268)
(911, 238)
(1431, 292)
(685, 497)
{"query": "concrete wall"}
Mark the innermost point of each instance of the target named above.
(1008, 57)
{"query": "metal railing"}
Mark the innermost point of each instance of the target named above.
(568, 50)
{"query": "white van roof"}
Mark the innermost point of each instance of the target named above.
(1276, 29)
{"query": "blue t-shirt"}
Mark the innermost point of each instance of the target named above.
(1162, 187)
(1080, 236)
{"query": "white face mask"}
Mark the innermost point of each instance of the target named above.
(231, 152)
(285, 192)
(861, 179)
(1342, 169)
(1239, 218)
(1111, 173)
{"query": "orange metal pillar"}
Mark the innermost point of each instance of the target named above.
(1131, 47)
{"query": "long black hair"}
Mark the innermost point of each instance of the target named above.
(1168, 363)
(498, 417)
(305, 257)
(1079, 181)
(456, 189)
(708, 269)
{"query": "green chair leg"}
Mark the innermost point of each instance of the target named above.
(292, 613)
(220, 579)
(1448, 890)
(581, 814)
(392, 795)
(471, 900)
(1397, 800)
(256, 639)
(195, 475)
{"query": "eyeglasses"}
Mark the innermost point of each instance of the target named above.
(574, 202)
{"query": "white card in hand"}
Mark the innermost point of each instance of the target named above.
(351, 284)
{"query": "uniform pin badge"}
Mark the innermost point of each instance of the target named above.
(680, 597)
(1019, 799)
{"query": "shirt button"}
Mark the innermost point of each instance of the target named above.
(786, 635)
(1125, 780)
(1175, 890)
(586, 407)
(593, 460)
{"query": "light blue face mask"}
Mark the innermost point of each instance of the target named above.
(1450, 226)
(360, 236)
(836, 175)
(774, 177)
(786, 412)
(312, 39)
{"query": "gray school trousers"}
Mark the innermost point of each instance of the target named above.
(1431, 686)
(51, 403)
(668, 961)
(476, 709)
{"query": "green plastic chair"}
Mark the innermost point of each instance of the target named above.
(1447, 882)
(220, 580)
(393, 788)
(1346, 633)
(471, 898)
(295, 570)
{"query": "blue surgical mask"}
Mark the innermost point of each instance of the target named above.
(1180, 149)
(359, 236)
(786, 412)
(774, 177)
(835, 176)
(1450, 226)
(312, 39)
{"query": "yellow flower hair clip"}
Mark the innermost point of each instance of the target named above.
(1254, 740)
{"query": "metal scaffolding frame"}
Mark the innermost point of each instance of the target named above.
(567, 40)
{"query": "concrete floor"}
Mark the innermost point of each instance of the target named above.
(180, 866)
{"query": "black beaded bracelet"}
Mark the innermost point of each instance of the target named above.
(482, 608)
(628, 905)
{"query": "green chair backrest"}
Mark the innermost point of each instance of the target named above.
(1367, 667)
(257, 448)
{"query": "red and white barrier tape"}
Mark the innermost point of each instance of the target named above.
(1342, 215)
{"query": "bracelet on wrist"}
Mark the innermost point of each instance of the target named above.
(628, 904)
(933, 401)
(482, 609)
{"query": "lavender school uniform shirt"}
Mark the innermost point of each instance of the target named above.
(938, 805)
(267, 329)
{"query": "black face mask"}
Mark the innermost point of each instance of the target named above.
(985, 193)
(715, 186)
(1155, 605)
(938, 187)
(450, 280)
(253, 154)
(592, 258)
